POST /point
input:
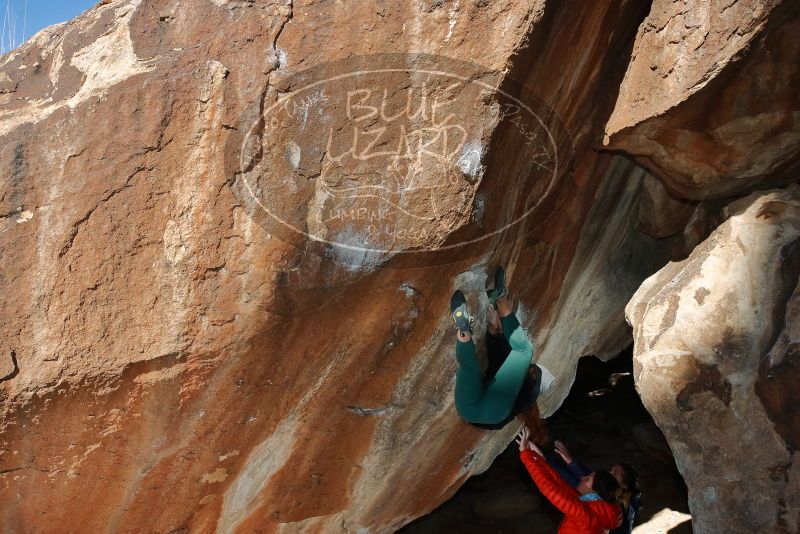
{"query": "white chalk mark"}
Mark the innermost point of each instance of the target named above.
(293, 152)
(452, 22)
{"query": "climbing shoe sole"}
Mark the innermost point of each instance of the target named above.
(459, 312)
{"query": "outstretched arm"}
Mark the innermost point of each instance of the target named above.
(578, 469)
(562, 495)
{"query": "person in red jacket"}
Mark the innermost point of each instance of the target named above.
(589, 508)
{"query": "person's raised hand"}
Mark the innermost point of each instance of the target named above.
(532, 446)
(562, 451)
(522, 438)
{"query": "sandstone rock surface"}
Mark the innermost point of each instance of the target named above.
(205, 371)
(202, 342)
(708, 103)
(716, 365)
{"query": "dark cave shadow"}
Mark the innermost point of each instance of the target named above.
(620, 416)
(599, 431)
(683, 528)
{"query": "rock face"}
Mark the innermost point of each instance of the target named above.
(716, 365)
(230, 231)
(708, 103)
(217, 373)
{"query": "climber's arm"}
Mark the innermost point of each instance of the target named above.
(578, 469)
(562, 495)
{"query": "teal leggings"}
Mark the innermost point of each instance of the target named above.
(492, 402)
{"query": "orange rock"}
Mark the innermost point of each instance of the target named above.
(196, 278)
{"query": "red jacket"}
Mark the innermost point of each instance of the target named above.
(580, 517)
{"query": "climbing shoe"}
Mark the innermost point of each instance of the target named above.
(459, 312)
(499, 290)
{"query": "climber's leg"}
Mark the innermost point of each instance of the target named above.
(476, 402)
(494, 402)
(502, 391)
(525, 409)
(460, 313)
(504, 308)
(499, 289)
(497, 347)
(542, 378)
(469, 378)
(517, 337)
(497, 350)
(500, 394)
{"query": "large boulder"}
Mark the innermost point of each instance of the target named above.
(231, 228)
(716, 365)
(195, 337)
(709, 102)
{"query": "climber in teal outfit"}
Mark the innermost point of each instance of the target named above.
(516, 383)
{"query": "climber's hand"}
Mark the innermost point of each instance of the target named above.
(562, 451)
(532, 446)
(522, 438)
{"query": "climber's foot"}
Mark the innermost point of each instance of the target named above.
(459, 312)
(499, 289)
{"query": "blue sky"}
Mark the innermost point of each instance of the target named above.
(40, 13)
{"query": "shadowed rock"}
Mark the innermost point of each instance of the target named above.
(714, 363)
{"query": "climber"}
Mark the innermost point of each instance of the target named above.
(590, 508)
(512, 383)
(630, 495)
